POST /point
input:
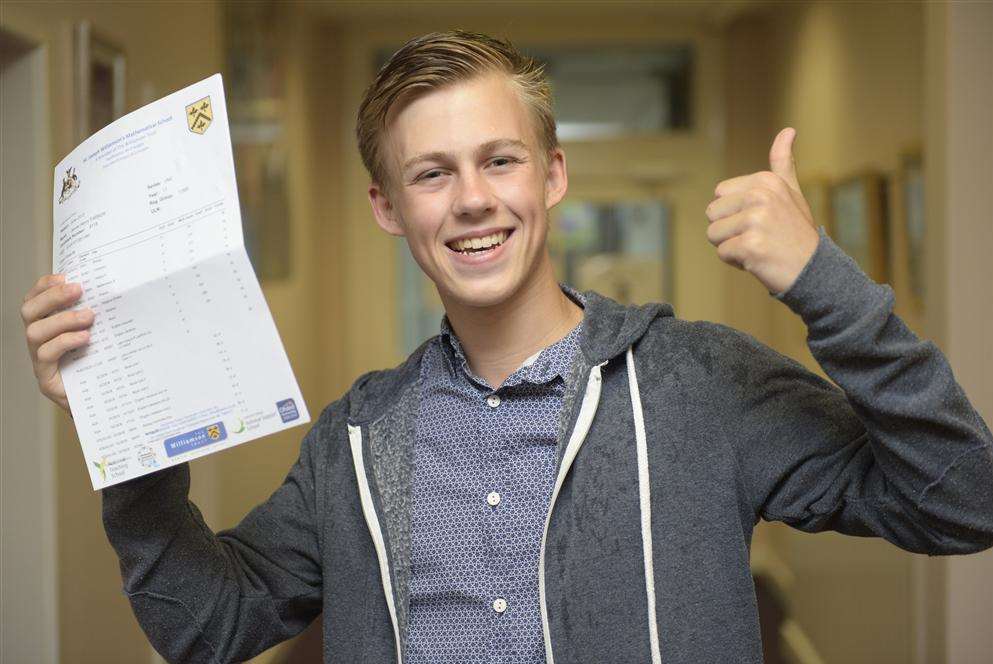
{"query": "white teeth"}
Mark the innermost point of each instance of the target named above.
(480, 242)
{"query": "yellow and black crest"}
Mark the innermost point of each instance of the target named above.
(213, 430)
(199, 115)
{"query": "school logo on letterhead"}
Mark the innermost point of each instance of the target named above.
(199, 115)
(70, 183)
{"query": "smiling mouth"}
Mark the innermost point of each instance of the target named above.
(478, 245)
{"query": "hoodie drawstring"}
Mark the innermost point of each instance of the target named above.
(645, 501)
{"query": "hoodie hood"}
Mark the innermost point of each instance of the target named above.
(609, 327)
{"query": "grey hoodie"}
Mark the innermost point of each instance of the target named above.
(676, 438)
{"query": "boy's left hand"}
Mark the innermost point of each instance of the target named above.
(761, 222)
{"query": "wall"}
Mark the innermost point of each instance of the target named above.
(95, 620)
(849, 77)
(956, 598)
(29, 611)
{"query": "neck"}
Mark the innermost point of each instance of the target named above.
(497, 339)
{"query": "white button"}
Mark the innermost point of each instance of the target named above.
(499, 605)
(493, 498)
(493, 400)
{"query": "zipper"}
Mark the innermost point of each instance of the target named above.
(591, 399)
(369, 511)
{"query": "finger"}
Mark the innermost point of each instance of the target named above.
(722, 230)
(781, 160)
(760, 180)
(725, 206)
(44, 283)
(50, 352)
(44, 330)
(733, 251)
(49, 301)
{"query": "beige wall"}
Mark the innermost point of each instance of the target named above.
(957, 593)
(95, 620)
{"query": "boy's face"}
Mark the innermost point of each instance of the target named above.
(466, 164)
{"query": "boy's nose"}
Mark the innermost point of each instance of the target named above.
(473, 197)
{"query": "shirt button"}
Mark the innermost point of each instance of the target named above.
(493, 400)
(499, 605)
(493, 498)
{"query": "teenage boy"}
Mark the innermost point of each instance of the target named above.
(554, 476)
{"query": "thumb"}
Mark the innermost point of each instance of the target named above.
(781, 157)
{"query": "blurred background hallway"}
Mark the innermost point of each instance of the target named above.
(657, 103)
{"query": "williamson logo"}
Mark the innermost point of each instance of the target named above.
(70, 183)
(199, 115)
(214, 432)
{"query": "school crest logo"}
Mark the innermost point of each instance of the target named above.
(199, 115)
(70, 183)
(214, 432)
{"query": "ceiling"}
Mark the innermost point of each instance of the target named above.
(710, 12)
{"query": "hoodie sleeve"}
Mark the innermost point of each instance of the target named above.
(224, 597)
(898, 452)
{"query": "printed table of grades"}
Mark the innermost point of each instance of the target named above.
(184, 359)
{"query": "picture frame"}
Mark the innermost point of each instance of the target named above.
(98, 82)
(858, 222)
(621, 247)
(912, 221)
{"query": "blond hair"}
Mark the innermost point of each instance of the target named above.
(439, 59)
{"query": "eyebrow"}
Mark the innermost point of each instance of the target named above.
(489, 146)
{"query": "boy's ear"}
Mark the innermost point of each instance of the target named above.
(556, 178)
(384, 211)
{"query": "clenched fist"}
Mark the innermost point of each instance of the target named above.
(761, 223)
(50, 335)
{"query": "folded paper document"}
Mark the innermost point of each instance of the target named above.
(184, 358)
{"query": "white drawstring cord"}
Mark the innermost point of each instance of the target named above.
(645, 500)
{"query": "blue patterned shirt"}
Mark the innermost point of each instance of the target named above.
(484, 469)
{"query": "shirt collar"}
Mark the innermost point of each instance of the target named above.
(547, 364)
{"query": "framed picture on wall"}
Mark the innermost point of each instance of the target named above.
(98, 84)
(858, 222)
(912, 219)
(620, 248)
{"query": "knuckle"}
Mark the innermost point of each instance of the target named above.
(44, 353)
(711, 235)
(758, 196)
(33, 334)
(753, 243)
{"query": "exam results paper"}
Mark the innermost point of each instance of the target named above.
(184, 359)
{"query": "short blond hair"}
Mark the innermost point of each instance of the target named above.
(439, 59)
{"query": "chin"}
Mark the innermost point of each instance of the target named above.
(487, 292)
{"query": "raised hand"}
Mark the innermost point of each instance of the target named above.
(50, 335)
(761, 223)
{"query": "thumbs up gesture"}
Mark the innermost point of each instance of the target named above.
(761, 223)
